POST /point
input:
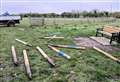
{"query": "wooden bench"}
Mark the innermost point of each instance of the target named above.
(112, 32)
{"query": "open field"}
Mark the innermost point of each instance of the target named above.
(85, 65)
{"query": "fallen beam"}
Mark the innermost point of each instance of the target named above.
(50, 61)
(107, 54)
(23, 42)
(68, 46)
(59, 52)
(27, 64)
(53, 37)
(14, 56)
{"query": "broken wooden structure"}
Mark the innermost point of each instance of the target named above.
(110, 31)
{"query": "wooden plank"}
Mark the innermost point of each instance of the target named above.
(111, 29)
(23, 42)
(106, 33)
(50, 61)
(27, 64)
(114, 27)
(54, 37)
(107, 54)
(68, 46)
(14, 56)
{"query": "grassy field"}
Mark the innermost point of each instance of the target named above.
(85, 65)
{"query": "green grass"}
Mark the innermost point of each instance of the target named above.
(85, 65)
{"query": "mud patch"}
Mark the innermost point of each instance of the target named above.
(88, 42)
(103, 41)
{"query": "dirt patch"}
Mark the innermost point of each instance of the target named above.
(88, 42)
(103, 41)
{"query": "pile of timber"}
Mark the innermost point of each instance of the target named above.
(46, 57)
(41, 51)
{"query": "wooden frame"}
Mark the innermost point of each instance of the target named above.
(112, 32)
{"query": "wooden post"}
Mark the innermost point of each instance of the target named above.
(68, 46)
(27, 64)
(43, 21)
(107, 54)
(14, 56)
(59, 52)
(50, 61)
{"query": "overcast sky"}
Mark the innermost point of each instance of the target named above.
(57, 6)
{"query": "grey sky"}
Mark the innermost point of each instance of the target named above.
(57, 6)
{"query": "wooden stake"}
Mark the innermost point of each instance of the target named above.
(25, 43)
(107, 54)
(15, 60)
(27, 64)
(52, 37)
(50, 61)
(59, 52)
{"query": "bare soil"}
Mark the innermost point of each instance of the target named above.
(89, 43)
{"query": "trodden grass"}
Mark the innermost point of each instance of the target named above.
(85, 66)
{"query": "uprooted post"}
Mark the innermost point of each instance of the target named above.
(59, 52)
(27, 64)
(14, 56)
(50, 61)
(107, 54)
(68, 46)
(23, 42)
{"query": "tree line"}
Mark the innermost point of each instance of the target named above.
(74, 14)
